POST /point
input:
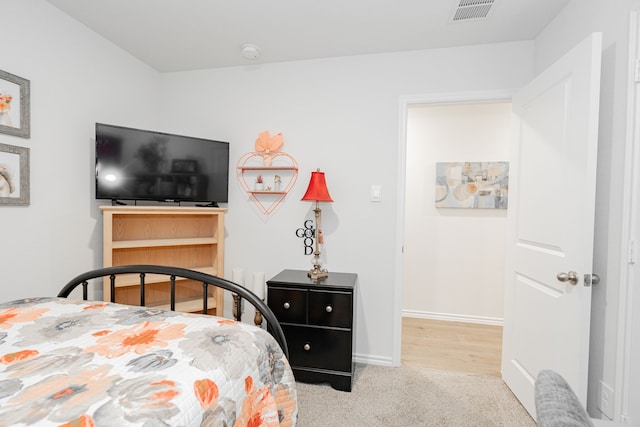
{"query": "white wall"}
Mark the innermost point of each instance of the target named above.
(77, 78)
(339, 114)
(577, 20)
(453, 258)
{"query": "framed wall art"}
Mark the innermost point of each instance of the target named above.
(472, 185)
(14, 105)
(14, 175)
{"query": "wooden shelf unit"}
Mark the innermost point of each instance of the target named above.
(187, 237)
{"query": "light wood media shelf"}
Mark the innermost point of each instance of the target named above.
(187, 237)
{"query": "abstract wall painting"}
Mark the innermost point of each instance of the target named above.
(475, 185)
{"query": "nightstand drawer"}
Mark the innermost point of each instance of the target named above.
(330, 308)
(314, 347)
(289, 305)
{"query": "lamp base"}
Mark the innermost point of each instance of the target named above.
(316, 273)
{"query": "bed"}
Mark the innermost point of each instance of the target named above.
(75, 362)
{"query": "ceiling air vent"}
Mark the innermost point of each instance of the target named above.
(471, 10)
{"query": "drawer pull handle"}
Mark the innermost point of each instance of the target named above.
(307, 347)
(287, 305)
(328, 309)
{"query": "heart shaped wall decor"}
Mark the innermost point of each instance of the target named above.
(279, 173)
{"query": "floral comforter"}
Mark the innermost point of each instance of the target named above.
(83, 363)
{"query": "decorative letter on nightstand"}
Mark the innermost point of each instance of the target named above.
(318, 319)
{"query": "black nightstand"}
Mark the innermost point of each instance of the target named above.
(318, 320)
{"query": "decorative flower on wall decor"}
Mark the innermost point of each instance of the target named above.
(267, 145)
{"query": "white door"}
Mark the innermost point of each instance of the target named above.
(550, 224)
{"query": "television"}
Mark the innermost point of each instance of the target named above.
(136, 164)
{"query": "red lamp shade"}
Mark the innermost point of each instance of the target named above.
(317, 190)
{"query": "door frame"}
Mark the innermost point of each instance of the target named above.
(406, 102)
(627, 327)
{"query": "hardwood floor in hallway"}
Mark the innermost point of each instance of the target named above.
(452, 346)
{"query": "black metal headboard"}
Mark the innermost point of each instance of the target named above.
(174, 272)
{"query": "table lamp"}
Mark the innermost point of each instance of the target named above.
(317, 192)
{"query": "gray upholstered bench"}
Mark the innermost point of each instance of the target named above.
(558, 406)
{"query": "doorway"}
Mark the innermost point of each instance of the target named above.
(447, 263)
(454, 256)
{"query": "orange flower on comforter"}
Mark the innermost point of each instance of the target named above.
(139, 338)
(13, 315)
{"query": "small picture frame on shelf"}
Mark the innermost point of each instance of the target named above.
(14, 175)
(14, 105)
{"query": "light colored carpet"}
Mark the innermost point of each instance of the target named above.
(411, 396)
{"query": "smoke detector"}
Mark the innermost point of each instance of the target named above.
(250, 51)
(471, 10)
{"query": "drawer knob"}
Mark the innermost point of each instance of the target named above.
(307, 347)
(287, 305)
(328, 309)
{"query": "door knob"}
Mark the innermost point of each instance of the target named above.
(591, 279)
(571, 277)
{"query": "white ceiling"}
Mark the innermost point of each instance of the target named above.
(180, 35)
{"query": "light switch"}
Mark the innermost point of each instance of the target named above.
(376, 193)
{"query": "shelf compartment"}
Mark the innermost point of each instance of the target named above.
(125, 280)
(188, 295)
(188, 305)
(275, 193)
(171, 226)
(149, 243)
(268, 168)
(188, 256)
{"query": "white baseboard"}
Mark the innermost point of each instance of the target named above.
(453, 317)
(368, 359)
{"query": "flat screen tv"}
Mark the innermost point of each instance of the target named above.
(136, 164)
